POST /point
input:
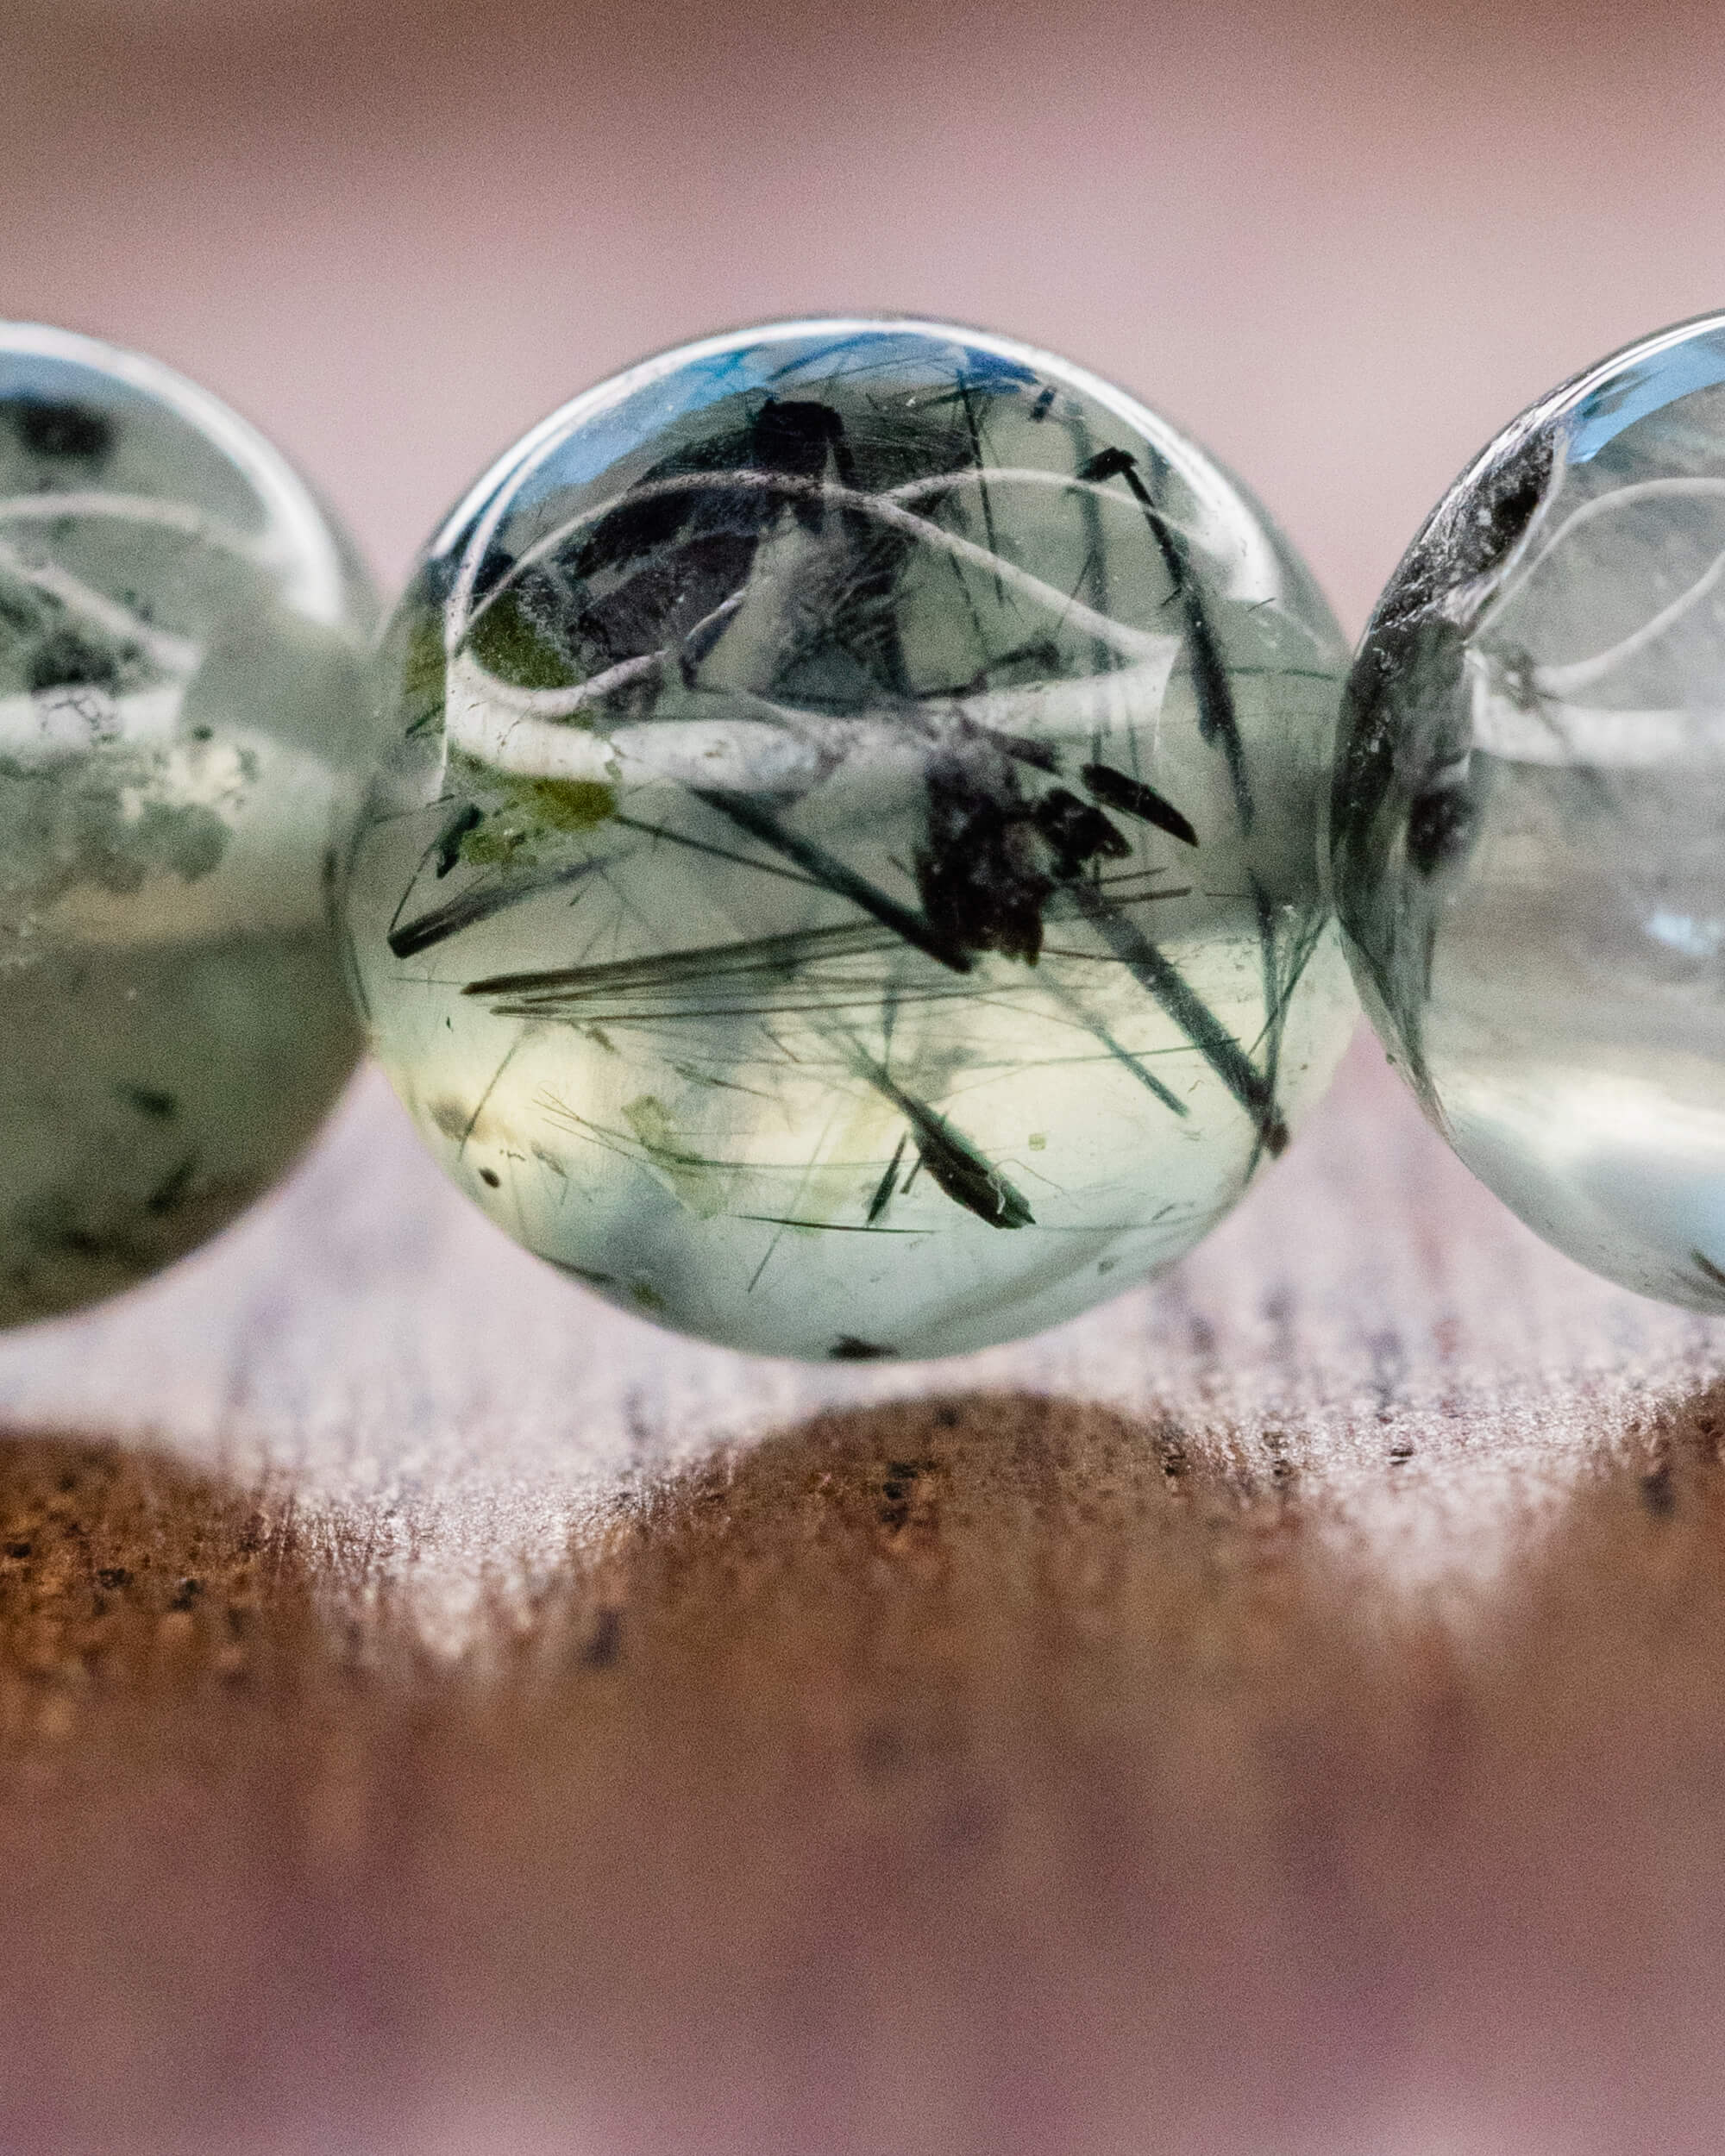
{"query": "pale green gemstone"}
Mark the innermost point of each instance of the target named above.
(846, 881)
(182, 644)
(1529, 816)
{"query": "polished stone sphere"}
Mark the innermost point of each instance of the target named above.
(1528, 821)
(844, 879)
(182, 683)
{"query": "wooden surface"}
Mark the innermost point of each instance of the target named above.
(439, 1713)
(1283, 1711)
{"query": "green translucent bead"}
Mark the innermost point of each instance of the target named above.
(844, 883)
(1526, 823)
(182, 647)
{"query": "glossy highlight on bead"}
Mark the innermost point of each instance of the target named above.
(183, 639)
(842, 882)
(1526, 824)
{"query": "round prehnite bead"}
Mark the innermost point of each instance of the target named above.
(183, 640)
(843, 881)
(1527, 818)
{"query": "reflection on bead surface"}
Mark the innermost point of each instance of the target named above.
(182, 642)
(1527, 817)
(845, 884)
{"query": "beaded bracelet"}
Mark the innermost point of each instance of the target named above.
(835, 847)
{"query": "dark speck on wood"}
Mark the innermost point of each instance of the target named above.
(1657, 1493)
(604, 1644)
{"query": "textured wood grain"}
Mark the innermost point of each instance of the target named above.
(1284, 1711)
(438, 1712)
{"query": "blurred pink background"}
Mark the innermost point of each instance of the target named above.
(1342, 244)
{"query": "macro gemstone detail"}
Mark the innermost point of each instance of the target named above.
(843, 881)
(1527, 820)
(182, 679)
